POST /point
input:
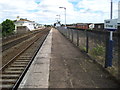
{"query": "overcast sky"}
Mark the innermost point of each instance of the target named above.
(45, 11)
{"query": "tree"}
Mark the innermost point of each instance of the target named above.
(8, 27)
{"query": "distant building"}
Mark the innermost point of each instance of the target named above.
(31, 25)
(91, 26)
(99, 26)
(82, 25)
(24, 25)
(57, 24)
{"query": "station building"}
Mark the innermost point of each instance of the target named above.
(24, 25)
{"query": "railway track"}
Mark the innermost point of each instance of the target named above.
(12, 43)
(14, 71)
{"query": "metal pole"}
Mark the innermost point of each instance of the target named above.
(111, 9)
(72, 34)
(110, 43)
(87, 41)
(65, 17)
(118, 52)
(111, 32)
(77, 38)
(111, 35)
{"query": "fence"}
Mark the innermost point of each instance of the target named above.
(94, 43)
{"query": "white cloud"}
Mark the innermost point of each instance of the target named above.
(11, 9)
(45, 11)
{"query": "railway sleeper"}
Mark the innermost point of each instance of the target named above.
(18, 65)
(25, 61)
(15, 68)
(25, 57)
(5, 86)
(12, 72)
(28, 54)
(29, 51)
(20, 62)
(10, 76)
(8, 81)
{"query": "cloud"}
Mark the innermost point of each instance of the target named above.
(99, 7)
(45, 11)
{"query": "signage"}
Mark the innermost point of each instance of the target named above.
(110, 24)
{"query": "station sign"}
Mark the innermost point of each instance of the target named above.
(110, 24)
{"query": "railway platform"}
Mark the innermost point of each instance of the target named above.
(60, 64)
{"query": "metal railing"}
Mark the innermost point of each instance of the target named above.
(95, 44)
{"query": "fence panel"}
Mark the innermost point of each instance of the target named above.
(96, 43)
(82, 40)
(75, 37)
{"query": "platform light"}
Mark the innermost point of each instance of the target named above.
(65, 15)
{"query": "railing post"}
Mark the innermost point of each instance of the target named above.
(109, 52)
(106, 51)
(77, 37)
(65, 32)
(118, 53)
(87, 41)
(69, 33)
(72, 35)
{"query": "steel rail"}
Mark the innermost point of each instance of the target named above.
(3, 67)
(17, 82)
(18, 40)
(15, 87)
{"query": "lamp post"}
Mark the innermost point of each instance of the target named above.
(65, 15)
(109, 49)
(111, 32)
(111, 9)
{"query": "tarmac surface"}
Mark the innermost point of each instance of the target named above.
(64, 66)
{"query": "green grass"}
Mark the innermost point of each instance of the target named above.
(98, 51)
(83, 48)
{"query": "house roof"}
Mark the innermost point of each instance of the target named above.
(21, 19)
